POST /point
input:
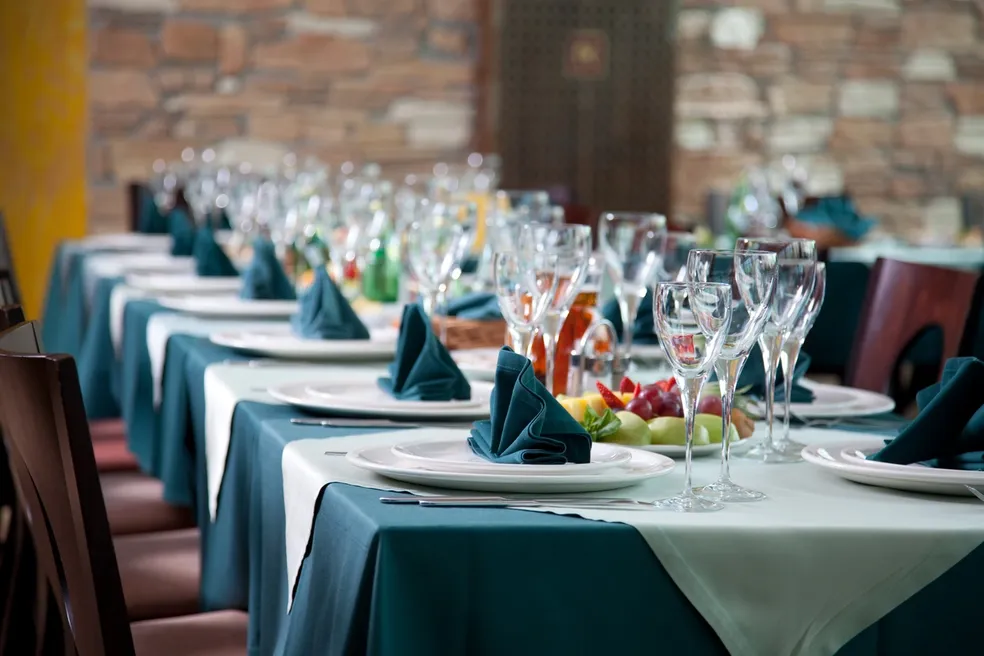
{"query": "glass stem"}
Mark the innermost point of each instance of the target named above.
(628, 305)
(728, 372)
(429, 300)
(689, 394)
(550, 331)
(771, 346)
(521, 339)
(788, 357)
(441, 302)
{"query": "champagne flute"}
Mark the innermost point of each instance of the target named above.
(524, 289)
(752, 278)
(794, 343)
(795, 273)
(692, 321)
(677, 247)
(633, 246)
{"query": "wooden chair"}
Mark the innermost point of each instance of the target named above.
(903, 301)
(133, 194)
(55, 475)
(9, 292)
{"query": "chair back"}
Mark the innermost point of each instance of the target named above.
(903, 301)
(54, 468)
(9, 293)
(133, 194)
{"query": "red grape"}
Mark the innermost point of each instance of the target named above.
(655, 399)
(640, 407)
(672, 405)
(650, 393)
(710, 405)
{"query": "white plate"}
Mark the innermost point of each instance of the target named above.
(183, 283)
(230, 307)
(836, 401)
(134, 241)
(457, 456)
(702, 451)
(370, 395)
(642, 466)
(369, 400)
(842, 459)
(282, 345)
(477, 363)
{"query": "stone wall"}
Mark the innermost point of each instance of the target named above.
(380, 80)
(883, 96)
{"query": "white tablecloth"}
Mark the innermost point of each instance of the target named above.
(800, 573)
(953, 257)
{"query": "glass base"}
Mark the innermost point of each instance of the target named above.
(689, 503)
(728, 492)
(785, 452)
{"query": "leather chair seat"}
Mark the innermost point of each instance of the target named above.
(113, 456)
(135, 504)
(161, 574)
(221, 633)
(107, 429)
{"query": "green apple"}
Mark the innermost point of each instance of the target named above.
(673, 431)
(714, 428)
(633, 432)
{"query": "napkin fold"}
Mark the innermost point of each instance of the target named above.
(210, 260)
(644, 331)
(753, 377)
(949, 431)
(323, 312)
(182, 230)
(527, 425)
(423, 370)
(150, 221)
(265, 279)
(838, 212)
(478, 306)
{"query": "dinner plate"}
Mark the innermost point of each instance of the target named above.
(369, 400)
(642, 466)
(133, 241)
(477, 363)
(847, 460)
(230, 307)
(188, 283)
(283, 345)
(836, 401)
(456, 455)
(702, 451)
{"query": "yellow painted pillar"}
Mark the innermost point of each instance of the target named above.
(43, 63)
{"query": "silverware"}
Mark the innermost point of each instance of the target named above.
(597, 503)
(336, 453)
(257, 364)
(977, 493)
(373, 423)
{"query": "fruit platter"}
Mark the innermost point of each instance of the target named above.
(651, 417)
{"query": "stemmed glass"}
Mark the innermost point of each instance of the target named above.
(797, 335)
(524, 290)
(795, 273)
(677, 247)
(692, 320)
(633, 248)
(571, 245)
(752, 278)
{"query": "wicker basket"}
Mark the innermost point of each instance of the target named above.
(468, 334)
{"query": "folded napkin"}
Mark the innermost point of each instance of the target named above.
(220, 219)
(423, 369)
(753, 377)
(838, 212)
(476, 307)
(949, 431)
(265, 279)
(644, 331)
(210, 260)
(324, 313)
(182, 230)
(150, 221)
(527, 425)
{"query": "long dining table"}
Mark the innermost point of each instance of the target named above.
(301, 540)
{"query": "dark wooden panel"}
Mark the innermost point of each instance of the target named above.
(600, 128)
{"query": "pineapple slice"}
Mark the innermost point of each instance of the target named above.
(575, 406)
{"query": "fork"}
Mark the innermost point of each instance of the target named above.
(977, 493)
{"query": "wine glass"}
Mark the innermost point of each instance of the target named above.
(633, 247)
(795, 273)
(677, 247)
(571, 244)
(752, 278)
(524, 290)
(794, 342)
(692, 320)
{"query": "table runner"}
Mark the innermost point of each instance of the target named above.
(833, 539)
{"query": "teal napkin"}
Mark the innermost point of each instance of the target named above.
(182, 230)
(210, 260)
(644, 331)
(423, 369)
(475, 307)
(265, 279)
(324, 313)
(527, 425)
(949, 431)
(150, 221)
(839, 212)
(753, 377)
(221, 220)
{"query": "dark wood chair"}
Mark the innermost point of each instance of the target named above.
(133, 196)
(9, 292)
(55, 475)
(905, 301)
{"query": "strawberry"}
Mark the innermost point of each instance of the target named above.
(626, 385)
(637, 391)
(609, 397)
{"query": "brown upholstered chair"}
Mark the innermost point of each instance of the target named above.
(86, 571)
(903, 301)
(9, 292)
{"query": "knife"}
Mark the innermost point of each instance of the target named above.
(373, 423)
(503, 502)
